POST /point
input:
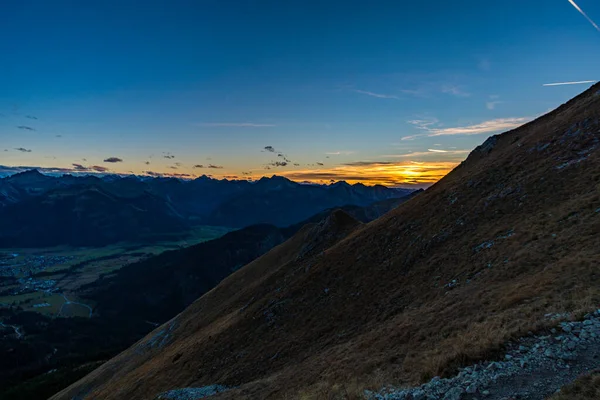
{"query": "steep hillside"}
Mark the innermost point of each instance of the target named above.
(158, 288)
(507, 238)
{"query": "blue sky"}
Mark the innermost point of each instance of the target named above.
(367, 89)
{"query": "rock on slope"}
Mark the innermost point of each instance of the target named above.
(441, 282)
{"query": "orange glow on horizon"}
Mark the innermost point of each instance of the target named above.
(405, 173)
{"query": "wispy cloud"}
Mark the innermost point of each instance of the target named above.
(568, 83)
(584, 14)
(23, 150)
(418, 92)
(490, 105)
(26, 128)
(493, 102)
(494, 125)
(340, 153)
(235, 125)
(430, 152)
(412, 137)
(424, 123)
(378, 95)
(454, 90)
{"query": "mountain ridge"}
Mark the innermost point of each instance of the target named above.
(178, 204)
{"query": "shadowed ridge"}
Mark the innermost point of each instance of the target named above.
(328, 232)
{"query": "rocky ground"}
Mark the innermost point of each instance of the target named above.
(534, 368)
(192, 393)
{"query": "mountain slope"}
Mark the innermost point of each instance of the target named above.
(481, 257)
(157, 288)
(86, 216)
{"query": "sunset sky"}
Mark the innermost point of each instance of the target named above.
(377, 92)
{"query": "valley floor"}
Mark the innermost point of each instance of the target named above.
(47, 324)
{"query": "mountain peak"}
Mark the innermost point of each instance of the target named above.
(30, 176)
(29, 173)
(340, 184)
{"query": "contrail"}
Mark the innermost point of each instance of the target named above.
(568, 83)
(584, 14)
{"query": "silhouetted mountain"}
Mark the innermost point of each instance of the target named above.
(505, 244)
(281, 202)
(173, 204)
(32, 181)
(87, 216)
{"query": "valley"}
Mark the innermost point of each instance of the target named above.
(42, 287)
(38, 279)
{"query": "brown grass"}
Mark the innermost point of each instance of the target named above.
(372, 308)
(585, 388)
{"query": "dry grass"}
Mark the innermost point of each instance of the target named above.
(373, 308)
(585, 388)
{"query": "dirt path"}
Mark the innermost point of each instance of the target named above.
(534, 368)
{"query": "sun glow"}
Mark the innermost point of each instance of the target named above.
(383, 173)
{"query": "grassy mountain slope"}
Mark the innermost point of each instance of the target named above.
(445, 279)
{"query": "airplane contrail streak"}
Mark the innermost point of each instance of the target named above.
(584, 14)
(568, 83)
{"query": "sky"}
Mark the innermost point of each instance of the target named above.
(391, 92)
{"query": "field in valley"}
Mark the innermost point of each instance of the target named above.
(46, 280)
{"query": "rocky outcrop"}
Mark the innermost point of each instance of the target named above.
(533, 368)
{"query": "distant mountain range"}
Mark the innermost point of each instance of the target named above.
(43, 210)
